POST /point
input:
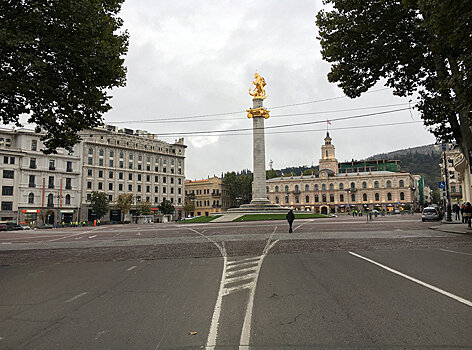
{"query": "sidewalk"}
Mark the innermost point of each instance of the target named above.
(453, 227)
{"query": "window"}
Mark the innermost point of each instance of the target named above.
(121, 164)
(156, 189)
(52, 164)
(286, 188)
(67, 198)
(323, 187)
(100, 152)
(139, 188)
(364, 197)
(389, 183)
(286, 199)
(323, 198)
(139, 166)
(317, 198)
(164, 169)
(89, 172)
(130, 188)
(180, 181)
(156, 168)
(89, 185)
(148, 167)
(7, 206)
(353, 197)
(51, 182)
(31, 198)
(110, 163)
(164, 179)
(120, 176)
(156, 178)
(34, 145)
(12, 160)
(341, 186)
(130, 176)
(401, 183)
(89, 196)
(110, 186)
(276, 188)
(90, 161)
(331, 197)
(164, 189)
(364, 184)
(121, 155)
(377, 197)
(110, 174)
(100, 173)
(90, 150)
(5, 160)
(296, 189)
(32, 163)
(50, 200)
(110, 198)
(307, 188)
(376, 184)
(112, 154)
(297, 200)
(402, 196)
(389, 196)
(341, 198)
(139, 177)
(100, 185)
(140, 158)
(316, 187)
(120, 187)
(100, 162)
(68, 183)
(307, 199)
(7, 190)
(453, 189)
(172, 181)
(69, 167)
(148, 188)
(179, 190)
(353, 185)
(331, 186)
(130, 165)
(8, 174)
(131, 156)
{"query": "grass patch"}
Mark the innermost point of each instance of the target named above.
(200, 219)
(261, 217)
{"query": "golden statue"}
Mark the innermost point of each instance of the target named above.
(259, 84)
(258, 112)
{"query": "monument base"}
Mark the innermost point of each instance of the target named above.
(259, 206)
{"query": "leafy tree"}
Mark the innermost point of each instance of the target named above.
(239, 188)
(144, 208)
(189, 207)
(166, 207)
(58, 60)
(270, 174)
(421, 46)
(124, 202)
(99, 203)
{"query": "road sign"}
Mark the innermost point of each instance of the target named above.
(442, 184)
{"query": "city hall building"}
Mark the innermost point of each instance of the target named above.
(343, 187)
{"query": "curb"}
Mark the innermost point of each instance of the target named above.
(449, 231)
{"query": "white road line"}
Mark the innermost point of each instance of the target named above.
(76, 297)
(68, 236)
(237, 288)
(93, 236)
(242, 260)
(237, 272)
(239, 278)
(131, 268)
(452, 251)
(424, 284)
(239, 266)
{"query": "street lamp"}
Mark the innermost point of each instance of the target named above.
(448, 202)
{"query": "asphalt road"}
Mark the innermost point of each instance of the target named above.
(340, 283)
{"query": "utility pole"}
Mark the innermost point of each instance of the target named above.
(448, 201)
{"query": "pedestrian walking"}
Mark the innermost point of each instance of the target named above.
(462, 212)
(467, 213)
(290, 217)
(456, 211)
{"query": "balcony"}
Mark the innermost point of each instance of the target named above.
(31, 185)
(69, 170)
(52, 168)
(33, 166)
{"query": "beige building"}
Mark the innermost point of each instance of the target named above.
(121, 161)
(208, 196)
(454, 177)
(341, 187)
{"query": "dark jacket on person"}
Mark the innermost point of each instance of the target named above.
(290, 216)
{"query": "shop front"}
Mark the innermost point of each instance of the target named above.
(30, 217)
(67, 216)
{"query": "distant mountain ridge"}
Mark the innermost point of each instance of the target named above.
(426, 149)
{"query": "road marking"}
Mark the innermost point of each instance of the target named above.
(239, 266)
(424, 284)
(239, 261)
(76, 297)
(237, 272)
(93, 236)
(230, 290)
(131, 268)
(452, 251)
(67, 236)
(239, 278)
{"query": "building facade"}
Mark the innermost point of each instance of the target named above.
(122, 161)
(342, 187)
(454, 177)
(40, 188)
(208, 196)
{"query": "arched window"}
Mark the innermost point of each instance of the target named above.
(331, 186)
(90, 150)
(353, 185)
(353, 197)
(296, 188)
(341, 198)
(286, 199)
(286, 188)
(402, 196)
(401, 183)
(307, 199)
(31, 198)
(364, 184)
(307, 188)
(297, 200)
(276, 188)
(364, 197)
(331, 197)
(121, 155)
(277, 200)
(377, 197)
(376, 184)
(389, 183)
(323, 198)
(316, 187)
(389, 196)
(50, 200)
(68, 199)
(100, 152)
(267, 189)
(341, 186)
(323, 187)
(317, 198)
(112, 154)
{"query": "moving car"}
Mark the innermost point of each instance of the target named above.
(430, 213)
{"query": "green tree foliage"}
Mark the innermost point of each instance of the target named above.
(421, 46)
(166, 207)
(144, 208)
(238, 187)
(58, 60)
(270, 174)
(189, 207)
(99, 203)
(124, 202)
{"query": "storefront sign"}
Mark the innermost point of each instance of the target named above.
(30, 211)
(68, 211)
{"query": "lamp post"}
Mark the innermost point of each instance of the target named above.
(448, 201)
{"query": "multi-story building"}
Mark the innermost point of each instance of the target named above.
(339, 187)
(208, 196)
(38, 188)
(118, 161)
(454, 180)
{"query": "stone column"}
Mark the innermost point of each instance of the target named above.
(259, 181)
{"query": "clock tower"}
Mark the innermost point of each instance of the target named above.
(328, 160)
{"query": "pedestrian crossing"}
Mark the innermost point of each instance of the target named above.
(240, 274)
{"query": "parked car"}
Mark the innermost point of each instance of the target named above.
(13, 227)
(3, 227)
(430, 213)
(45, 226)
(24, 227)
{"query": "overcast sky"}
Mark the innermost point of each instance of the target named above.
(193, 58)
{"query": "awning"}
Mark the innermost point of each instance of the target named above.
(30, 211)
(68, 211)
